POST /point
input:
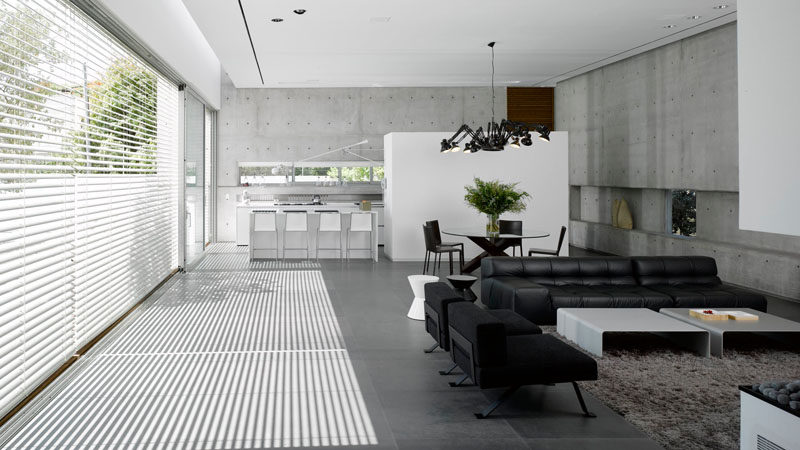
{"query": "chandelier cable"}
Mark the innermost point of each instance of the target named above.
(492, 47)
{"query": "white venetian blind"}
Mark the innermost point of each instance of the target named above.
(88, 186)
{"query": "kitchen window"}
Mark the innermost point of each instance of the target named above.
(324, 173)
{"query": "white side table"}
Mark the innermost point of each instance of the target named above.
(418, 282)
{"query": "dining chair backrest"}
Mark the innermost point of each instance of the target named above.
(330, 221)
(427, 233)
(361, 221)
(510, 226)
(296, 221)
(561, 239)
(436, 234)
(264, 221)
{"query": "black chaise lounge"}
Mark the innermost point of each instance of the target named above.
(480, 346)
(536, 287)
(439, 296)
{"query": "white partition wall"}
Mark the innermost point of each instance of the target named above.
(769, 96)
(423, 184)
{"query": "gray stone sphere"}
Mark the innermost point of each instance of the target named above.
(783, 399)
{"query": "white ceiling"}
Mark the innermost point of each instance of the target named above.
(438, 42)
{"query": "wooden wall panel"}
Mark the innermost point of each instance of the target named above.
(531, 105)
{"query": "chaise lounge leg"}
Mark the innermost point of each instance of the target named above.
(503, 397)
(460, 382)
(431, 348)
(586, 412)
(448, 371)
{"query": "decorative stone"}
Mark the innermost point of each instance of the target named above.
(794, 405)
(624, 217)
(795, 396)
(783, 399)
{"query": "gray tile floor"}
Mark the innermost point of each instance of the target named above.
(268, 354)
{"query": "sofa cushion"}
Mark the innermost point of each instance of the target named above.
(528, 299)
(712, 296)
(675, 270)
(585, 271)
(515, 324)
(538, 359)
(608, 297)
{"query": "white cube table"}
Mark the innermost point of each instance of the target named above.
(586, 327)
(418, 282)
(767, 325)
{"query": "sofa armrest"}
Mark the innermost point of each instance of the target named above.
(526, 298)
(482, 336)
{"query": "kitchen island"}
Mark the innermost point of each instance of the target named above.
(293, 240)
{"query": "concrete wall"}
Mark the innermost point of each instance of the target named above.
(668, 119)
(291, 124)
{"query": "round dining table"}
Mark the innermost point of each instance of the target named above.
(492, 245)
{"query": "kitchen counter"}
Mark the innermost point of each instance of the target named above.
(345, 208)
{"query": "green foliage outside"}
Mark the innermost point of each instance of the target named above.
(494, 198)
(121, 120)
(23, 89)
(122, 106)
(684, 213)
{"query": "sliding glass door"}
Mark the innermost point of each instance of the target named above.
(195, 177)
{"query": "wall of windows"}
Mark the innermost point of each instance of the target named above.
(88, 186)
(319, 173)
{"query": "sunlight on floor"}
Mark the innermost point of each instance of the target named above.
(232, 355)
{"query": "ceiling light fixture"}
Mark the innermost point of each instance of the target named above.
(496, 136)
(669, 26)
(277, 20)
(299, 12)
(720, 6)
(693, 17)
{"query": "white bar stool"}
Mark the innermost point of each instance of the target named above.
(418, 282)
(261, 222)
(360, 222)
(296, 222)
(330, 222)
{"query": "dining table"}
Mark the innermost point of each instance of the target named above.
(493, 244)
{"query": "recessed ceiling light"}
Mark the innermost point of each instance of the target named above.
(670, 26)
(720, 6)
(693, 17)
(299, 12)
(277, 19)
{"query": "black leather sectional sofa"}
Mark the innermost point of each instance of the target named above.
(536, 287)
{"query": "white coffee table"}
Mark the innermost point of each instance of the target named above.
(767, 325)
(587, 326)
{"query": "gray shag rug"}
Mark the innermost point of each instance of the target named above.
(680, 399)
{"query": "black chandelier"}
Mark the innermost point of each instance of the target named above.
(496, 136)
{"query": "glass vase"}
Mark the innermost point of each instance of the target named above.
(492, 224)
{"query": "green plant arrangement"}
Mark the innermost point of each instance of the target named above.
(494, 198)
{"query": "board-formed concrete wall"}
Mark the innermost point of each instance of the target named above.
(668, 119)
(292, 124)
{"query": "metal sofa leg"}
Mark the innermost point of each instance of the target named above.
(460, 383)
(448, 371)
(431, 348)
(503, 397)
(586, 413)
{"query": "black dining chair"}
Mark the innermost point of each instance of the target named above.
(431, 247)
(437, 236)
(512, 227)
(539, 251)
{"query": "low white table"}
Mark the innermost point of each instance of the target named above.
(418, 282)
(587, 326)
(768, 325)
